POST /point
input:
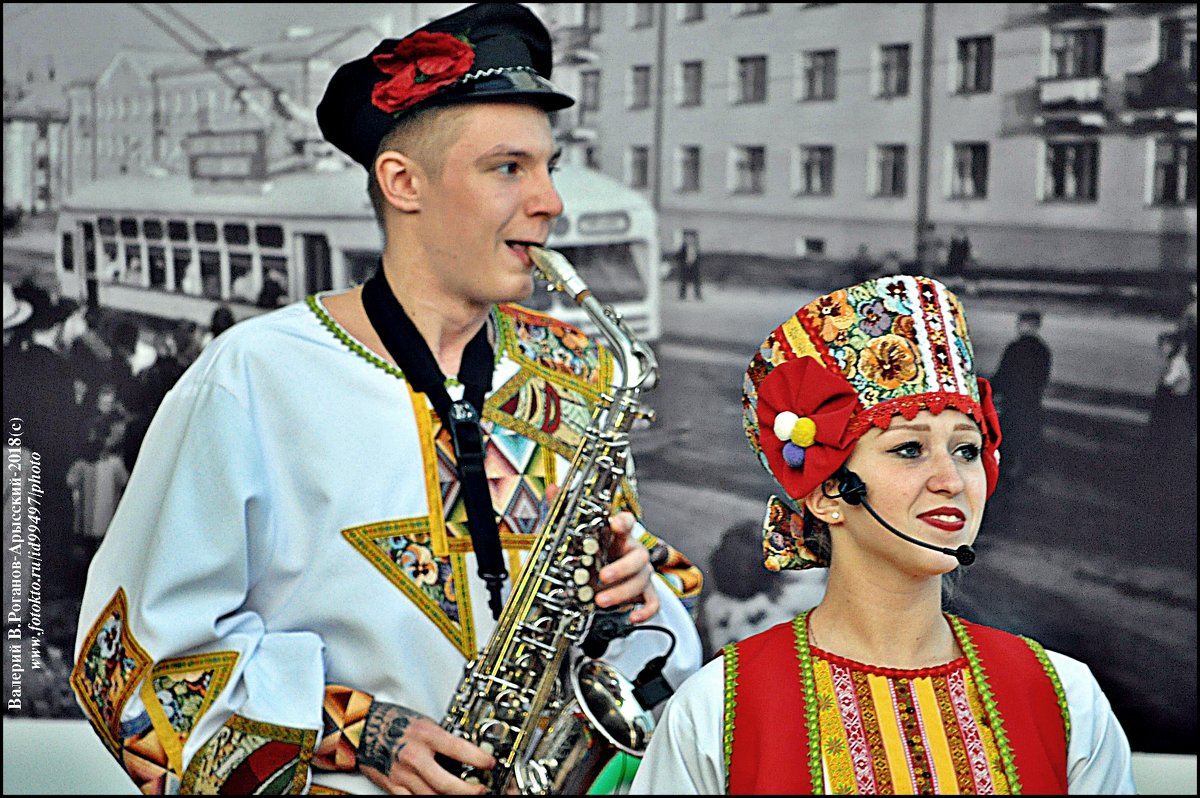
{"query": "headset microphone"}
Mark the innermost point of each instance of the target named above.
(853, 490)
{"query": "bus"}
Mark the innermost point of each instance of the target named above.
(174, 248)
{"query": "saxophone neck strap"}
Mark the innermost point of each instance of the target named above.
(408, 348)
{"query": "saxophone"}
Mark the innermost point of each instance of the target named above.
(553, 719)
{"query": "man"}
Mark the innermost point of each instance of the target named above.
(296, 572)
(689, 265)
(1020, 383)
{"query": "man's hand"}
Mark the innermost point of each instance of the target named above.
(627, 576)
(397, 752)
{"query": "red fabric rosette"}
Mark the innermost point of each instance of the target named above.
(806, 388)
(420, 65)
(991, 435)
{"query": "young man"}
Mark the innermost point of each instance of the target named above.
(298, 570)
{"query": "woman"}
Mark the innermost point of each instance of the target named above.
(865, 408)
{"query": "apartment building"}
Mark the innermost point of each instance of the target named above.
(1055, 135)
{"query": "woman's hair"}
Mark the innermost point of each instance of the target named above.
(816, 536)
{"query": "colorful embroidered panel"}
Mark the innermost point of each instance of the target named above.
(110, 667)
(684, 578)
(889, 732)
(554, 348)
(247, 757)
(145, 759)
(345, 714)
(555, 416)
(517, 469)
(403, 552)
(178, 693)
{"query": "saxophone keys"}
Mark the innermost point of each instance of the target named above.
(585, 594)
(587, 560)
(591, 545)
(581, 576)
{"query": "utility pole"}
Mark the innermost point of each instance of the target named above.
(660, 62)
(921, 236)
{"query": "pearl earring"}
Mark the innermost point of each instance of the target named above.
(835, 515)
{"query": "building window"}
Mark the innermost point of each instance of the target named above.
(691, 12)
(974, 65)
(1177, 44)
(752, 79)
(639, 167)
(689, 169)
(818, 75)
(969, 173)
(591, 17)
(890, 170)
(812, 246)
(1174, 172)
(589, 95)
(691, 83)
(642, 15)
(893, 70)
(1072, 171)
(749, 167)
(742, 9)
(814, 174)
(639, 87)
(1077, 53)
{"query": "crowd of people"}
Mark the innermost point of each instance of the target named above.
(85, 382)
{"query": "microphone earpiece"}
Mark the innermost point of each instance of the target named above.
(851, 488)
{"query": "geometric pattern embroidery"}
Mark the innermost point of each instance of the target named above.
(247, 757)
(110, 666)
(145, 759)
(403, 552)
(178, 693)
(345, 714)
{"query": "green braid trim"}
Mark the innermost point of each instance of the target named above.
(811, 718)
(731, 675)
(360, 350)
(354, 346)
(989, 704)
(1059, 693)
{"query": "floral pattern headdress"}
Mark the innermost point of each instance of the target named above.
(847, 361)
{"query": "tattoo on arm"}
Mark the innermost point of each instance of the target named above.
(380, 743)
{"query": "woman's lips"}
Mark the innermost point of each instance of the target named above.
(947, 519)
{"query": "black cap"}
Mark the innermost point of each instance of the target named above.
(486, 52)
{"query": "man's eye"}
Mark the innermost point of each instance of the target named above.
(508, 168)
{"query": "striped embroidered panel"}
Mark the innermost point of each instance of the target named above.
(886, 731)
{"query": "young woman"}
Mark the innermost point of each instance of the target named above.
(866, 409)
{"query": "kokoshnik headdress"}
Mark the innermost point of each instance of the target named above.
(845, 362)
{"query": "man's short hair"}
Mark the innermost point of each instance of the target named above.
(1033, 317)
(425, 136)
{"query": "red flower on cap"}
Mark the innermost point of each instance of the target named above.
(420, 65)
(807, 388)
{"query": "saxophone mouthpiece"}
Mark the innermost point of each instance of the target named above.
(559, 271)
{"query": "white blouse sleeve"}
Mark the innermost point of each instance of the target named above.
(169, 598)
(1098, 756)
(686, 755)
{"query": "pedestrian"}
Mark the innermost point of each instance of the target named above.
(1020, 383)
(294, 559)
(688, 260)
(958, 254)
(274, 290)
(39, 391)
(876, 690)
(97, 480)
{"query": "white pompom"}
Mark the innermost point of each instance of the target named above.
(784, 423)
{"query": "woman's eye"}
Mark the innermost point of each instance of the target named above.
(911, 449)
(968, 452)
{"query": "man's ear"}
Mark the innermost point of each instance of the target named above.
(823, 507)
(400, 180)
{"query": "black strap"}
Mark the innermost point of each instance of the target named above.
(408, 348)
